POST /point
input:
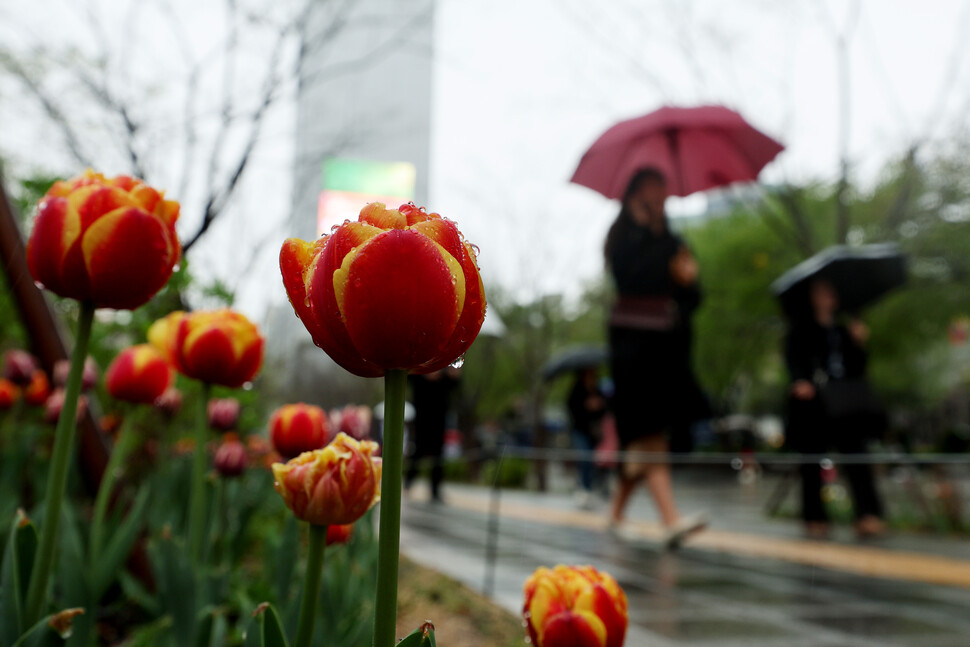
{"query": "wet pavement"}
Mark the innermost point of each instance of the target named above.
(698, 596)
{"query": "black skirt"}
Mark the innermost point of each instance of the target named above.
(655, 390)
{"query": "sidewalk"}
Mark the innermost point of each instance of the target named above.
(746, 581)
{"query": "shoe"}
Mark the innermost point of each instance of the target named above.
(870, 527)
(675, 535)
(584, 500)
(817, 530)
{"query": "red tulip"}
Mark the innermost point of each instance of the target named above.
(169, 402)
(335, 485)
(230, 459)
(39, 389)
(216, 347)
(223, 413)
(55, 402)
(298, 428)
(9, 394)
(109, 241)
(399, 289)
(139, 374)
(19, 367)
(339, 534)
(89, 375)
(574, 606)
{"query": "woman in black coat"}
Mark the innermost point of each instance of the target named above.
(650, 344)
(827, 362)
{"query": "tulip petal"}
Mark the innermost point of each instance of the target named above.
(400, 297)
(56, 228)
(570, 629)
(378, 215)
(322, 315)
(471, 320)
(129, 255)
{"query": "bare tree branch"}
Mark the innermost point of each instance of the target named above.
(51, 109)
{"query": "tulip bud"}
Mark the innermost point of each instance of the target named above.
(138, 374)
(169, 402)
(339, 534)
(55, 402)
(576, 606)
(332, 486)
(108, 241)
(9, 394)
(353, 421)
(89, 375)
(230, 459)
(223, 413)
(399, 289)
(298, 428)
(39, 389)
(19, 367)
(216, 347)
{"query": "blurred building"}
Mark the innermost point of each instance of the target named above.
(363, 131)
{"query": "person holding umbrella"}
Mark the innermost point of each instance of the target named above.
(656, 279)
(830, 404)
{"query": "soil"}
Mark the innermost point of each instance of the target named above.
(462, 617)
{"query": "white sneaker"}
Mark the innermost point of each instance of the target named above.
(685, 527)
(584, 500)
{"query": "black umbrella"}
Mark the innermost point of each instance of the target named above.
(574, 359)
(860, 276)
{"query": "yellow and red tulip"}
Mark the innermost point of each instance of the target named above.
(139, 374)
(399, 289)
(574, 606)
(332, 486)
(298, 428)
(9, 394)
(213, 346)
(110, 241)
(38, 390)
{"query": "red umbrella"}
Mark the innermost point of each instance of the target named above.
(695, 148)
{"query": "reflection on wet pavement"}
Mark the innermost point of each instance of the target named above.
(694, 597)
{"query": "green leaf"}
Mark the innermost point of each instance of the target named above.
(18, 561)
(150, 635)
(265, 629)
(117, 551)
(423, 636)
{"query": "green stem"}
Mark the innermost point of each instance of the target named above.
(311, 586)
(59, 467)
(119, 453)
(385, 612)
(197, 500)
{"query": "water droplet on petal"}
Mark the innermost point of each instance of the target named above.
(177, 267)
(248, 386)
(39, 285)
(458, 363)
(737, 464)
(306, 302)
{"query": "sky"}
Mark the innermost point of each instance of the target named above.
(521, 88)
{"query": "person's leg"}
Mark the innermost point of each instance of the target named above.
(621, 498)
(659, 482)
(584, 466)
(807, 435)
(437, 476)
(852, 434)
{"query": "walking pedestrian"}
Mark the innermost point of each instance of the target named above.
(650, 335)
